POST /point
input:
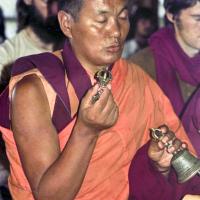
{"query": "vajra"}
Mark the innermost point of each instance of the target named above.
(103, 77)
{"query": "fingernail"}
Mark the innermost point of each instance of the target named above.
(109, 86)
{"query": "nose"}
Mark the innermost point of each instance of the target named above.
(114, 28)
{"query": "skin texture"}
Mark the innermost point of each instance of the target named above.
(103, 22)
(34, 133)
(187, 26)
(191, 197)
(162, 155)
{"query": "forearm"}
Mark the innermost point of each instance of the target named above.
(64, 177)
(55, 174)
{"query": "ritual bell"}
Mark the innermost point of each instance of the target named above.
(185, 164)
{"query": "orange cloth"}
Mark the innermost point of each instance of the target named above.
(142, 105)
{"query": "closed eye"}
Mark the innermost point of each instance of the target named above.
(124, 14)
(196, 17)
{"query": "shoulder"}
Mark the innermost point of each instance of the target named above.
(132, 73)
(143, 79)
(145, 59)
(142, 54)
(29, 91)
(28, 85)
(10, 43)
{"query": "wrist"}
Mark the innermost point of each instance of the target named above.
(82, 130)
(162, 170)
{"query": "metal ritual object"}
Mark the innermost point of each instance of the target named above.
(103, 77)
(185, 164)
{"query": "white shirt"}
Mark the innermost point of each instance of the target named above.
(18, 46)
(130, 47)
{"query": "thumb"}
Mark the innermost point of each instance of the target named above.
(90, 93)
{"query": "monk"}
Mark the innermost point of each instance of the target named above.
(73, 131)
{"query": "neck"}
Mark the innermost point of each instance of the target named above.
(190, 51)
(89, 66)
(38, 41)
(93, 69)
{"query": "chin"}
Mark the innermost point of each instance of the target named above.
(114, 57)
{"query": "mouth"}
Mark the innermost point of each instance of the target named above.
(115, 48)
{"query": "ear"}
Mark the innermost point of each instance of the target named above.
(28, 2)
(170, 17)
(65, 21)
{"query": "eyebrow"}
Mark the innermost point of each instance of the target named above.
(107, 11)
(195, 15)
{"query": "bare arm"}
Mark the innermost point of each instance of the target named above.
(52, 174)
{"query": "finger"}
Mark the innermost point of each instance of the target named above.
(113, 115)
(184, 145)
(109, 104)
(164, 128)
(161, 145)
(177, 144)
(165, 160)
(103, 100)
(169, 135)
(174, 146)
(90, 93)
(157, 146)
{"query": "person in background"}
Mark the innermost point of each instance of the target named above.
(68, 122)
(173, 56)
(191, 120)
(2, 26)
(173, 60)
(142, 25)
(38, 31)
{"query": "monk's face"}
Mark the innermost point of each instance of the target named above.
(98, 35)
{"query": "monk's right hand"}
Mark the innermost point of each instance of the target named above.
(100, 115)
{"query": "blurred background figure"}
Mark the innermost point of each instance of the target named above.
(2, 27)
(142, 24)
(173, 61)
(151, 4)
(38, 31)
(173, 56)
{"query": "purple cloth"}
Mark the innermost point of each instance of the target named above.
(53, 70)
(146, 183)
(191, 120)
(4, 107)
(171, 60)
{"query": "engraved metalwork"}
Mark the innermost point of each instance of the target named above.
(103, 77)
(185, 164)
